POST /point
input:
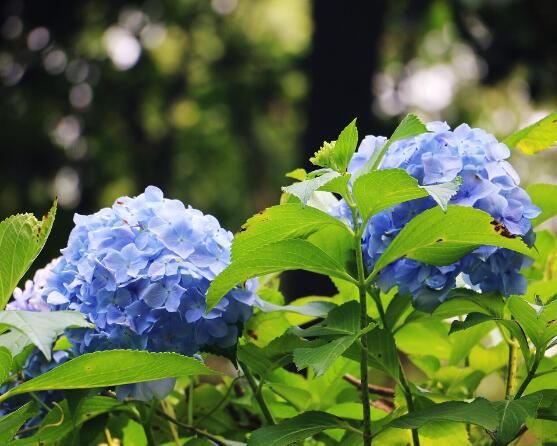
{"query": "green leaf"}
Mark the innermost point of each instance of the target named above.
(410, 126)
(15, 341)
(512, 415)
(528, 319)
(282, 222)
(274, 257)
(479, 412)
(322, 357)
(337, 155)
(42, 328)
(474, 319)
(112, 368)
(11, 423)
(381, 189)
(296, 429)
(22, 238)
(439, 238)
(543, 196)
(304, 190)
(536, 137)
(5, 364)
(442, 193)
(276, 354)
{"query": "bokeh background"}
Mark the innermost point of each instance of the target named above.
(214, 100)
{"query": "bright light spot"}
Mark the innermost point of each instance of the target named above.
(132, 19)
(431, 89)
(122, 47)
(67, 131)
(153, 35)
(55, 62)
(81, 95)
(12, 28)
(10, 71)
(38, 38)
(77, 71)
(66, 187)
(224, 7)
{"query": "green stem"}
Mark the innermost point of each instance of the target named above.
(364, 390)
(512, 368)
(193, 429)
(531, 373)
(148, 422)
(218, 405)
(409, 403)
(258, 395)
(375, 294)
(190, 400)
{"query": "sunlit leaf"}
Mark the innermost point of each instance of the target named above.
(535, 138)
(22, 238)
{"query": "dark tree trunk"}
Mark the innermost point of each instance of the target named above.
(343, 59)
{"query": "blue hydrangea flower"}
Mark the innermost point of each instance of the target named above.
(140, 271)
(489, 183)
(29, 299)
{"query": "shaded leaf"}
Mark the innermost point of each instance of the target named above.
(479, 412)
(42, 328)
(11, 423)
(512, 415)
(296, 429)
(543, 196)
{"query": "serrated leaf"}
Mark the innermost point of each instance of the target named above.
(410, 126)
(320, 358)
(474, 319)
(442, 193)
(112, 368)
(512, 415)
(11, 423)
(296, 429)
(22, 238)
(282, 222)
(271, 258)
(535, 138)
(304, 190)
(439, 238)
(479, 412)
(337, 155)
(42, 328)
(543, 196)
(381, 189)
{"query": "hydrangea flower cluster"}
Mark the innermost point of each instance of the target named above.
(140, 271)
(489, 183)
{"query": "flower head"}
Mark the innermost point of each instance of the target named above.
(489, 183)
(140, 271)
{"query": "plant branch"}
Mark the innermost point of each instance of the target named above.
(257, 393)
(364, 388)
(531, 373)
(375, 294)
(387, 392)
(512, 368)
(193, 429)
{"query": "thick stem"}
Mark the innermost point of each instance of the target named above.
(258, 395)
(512, 368)
(364, 389)
(409, 403)
(375, 294)
(531, 374)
